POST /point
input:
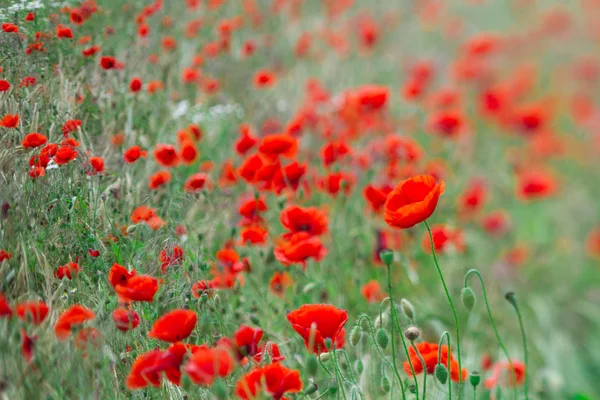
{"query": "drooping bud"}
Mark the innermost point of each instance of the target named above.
(359, 366)
(387, 256)
(324, 357)
(311, 388)
(364, 324)
(412, 333)
(468, 298)
(407, 308)
(385, 384)
(474, 379)
(511, 298)
(441, 373)
(355, 335)
(312, 365)
(382, 338)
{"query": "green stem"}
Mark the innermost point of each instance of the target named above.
(412, 342)
(381, 353)
(338, 374)
(453, 312)
(446, 335)
(487, 306)
(512, 299)
(394, 319)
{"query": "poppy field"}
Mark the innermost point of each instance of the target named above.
(300, 199)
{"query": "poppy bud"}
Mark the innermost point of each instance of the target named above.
(328, 343)
(468, 298)
(510, 297)
(412, 333)
(407, 308)
(217, 301)
(203, 298)
(359, 366)
(441, 373)
(312, 365)
(412, 389)
(474, 379)
(324, 357)
(382, 338)
(387, 256)
(220, 390)
(385, 384)
(364, 324)
(131, 229)
(254, 319)
(311, 388)
(355, 335)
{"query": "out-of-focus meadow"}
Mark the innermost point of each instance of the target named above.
(234, 199)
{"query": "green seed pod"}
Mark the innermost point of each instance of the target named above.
(387, 256)
(311, 388)
(474, 379)
(220, 390)
(312, 365)
(359, 366)
(328, 343)
(407, 308)
(382, 338)
(385, 384)
(511, 298)
(468, 298)
(441, 373)
(355, 335)
(324, 357)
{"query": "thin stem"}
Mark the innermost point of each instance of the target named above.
(381, 353)
(412, 342)
(487, 306)
(453, 312)
(446, 335)
(394, 319)
(512, 299)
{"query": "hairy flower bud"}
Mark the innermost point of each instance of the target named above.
(385, 384)
(324, 357)
(382, 338)
(355, 335)
(407, 308)
(359, 366)
(468, 298)
(441, 373)
(412, 333)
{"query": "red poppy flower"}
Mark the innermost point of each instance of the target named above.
(446, 123)
(10, 28)
(253, 234)
(412, 201)
(264, 79)
(276, 145)
(138, 288)
(372, 97)
(496, 223)
(34, 311)
(196, 182)
(148, 368)
(326, 322)
(30, 16)
(535, 185)
(125, 319)
(4, 85)
(76, 315)
(27, 344)
(503, 374)
(251, 209)
(142, 213)
(67, 271)
(246, 340)
(473, 198)
(71, 126)
(5, 255)
(63, 32)
(246, 141)
(10, 121)
(333, 182)
(273, 380)
(5, 310)
(169, 258)
(166, 155)
(135, 85)
(188, 152)
(133, 153)
(299, 247)
(229, 260)
(159, 179)
(27, 81)
(65, 154)
(97, 163)
(372, 292)
(304, 219)
(207, 364)
(333, 151)
(174, 326)
(429, 352)
(376, 196)
(108, 62)
(34, 140)
(279, 282)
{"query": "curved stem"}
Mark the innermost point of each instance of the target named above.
(381, 353)
(338, 374)
(446, 335)
(453, 311)
(412, 342)
(513, 300)
(393, 325)
(487, 306)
